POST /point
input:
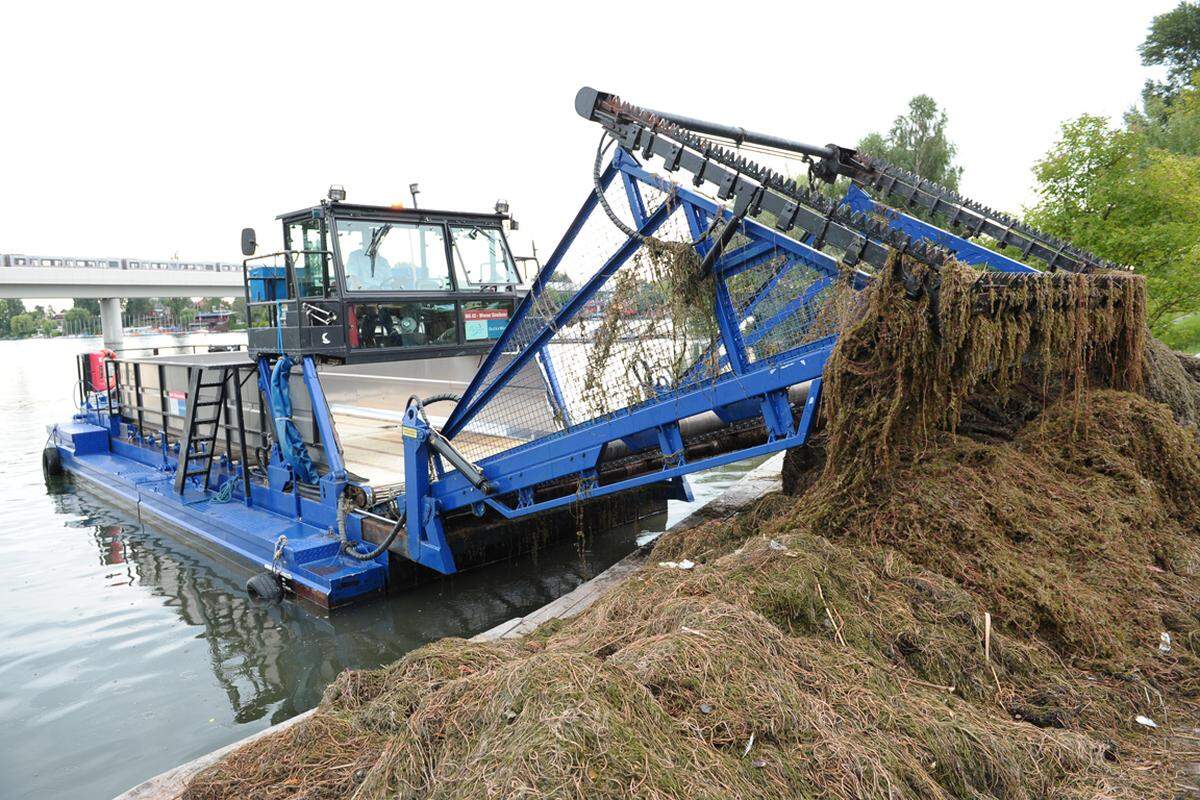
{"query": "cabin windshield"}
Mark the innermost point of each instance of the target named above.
(393, 257)
(481, 259)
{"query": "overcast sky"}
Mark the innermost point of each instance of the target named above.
(160, 128)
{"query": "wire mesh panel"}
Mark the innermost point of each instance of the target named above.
(785, 303)
(624, 321)
(524, 408)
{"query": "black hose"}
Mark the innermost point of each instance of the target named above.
(350, 548)
(413, 400)
(443, 397)
(601, 149)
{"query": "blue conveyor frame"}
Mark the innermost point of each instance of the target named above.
(761, 384)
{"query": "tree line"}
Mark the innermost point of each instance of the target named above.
(1128, 192)
(18, 322)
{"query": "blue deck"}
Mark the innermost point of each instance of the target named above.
(310, 561)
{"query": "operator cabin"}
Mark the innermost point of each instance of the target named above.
(361, 283)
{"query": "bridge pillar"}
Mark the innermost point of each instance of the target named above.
(110, 322)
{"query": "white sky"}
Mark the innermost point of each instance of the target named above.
(133, 129)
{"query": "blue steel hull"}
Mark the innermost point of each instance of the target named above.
(139, 477)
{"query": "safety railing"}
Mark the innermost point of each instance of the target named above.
(274, 301)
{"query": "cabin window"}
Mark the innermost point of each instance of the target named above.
(402, 324)
(260, 316)
(481, 259)
(307, 241)
(393, 257)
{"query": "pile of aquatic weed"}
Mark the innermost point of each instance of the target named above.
(1173, 379)
(931, 343)
(933, 615)
(1078, 526)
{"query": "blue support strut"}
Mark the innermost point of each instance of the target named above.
(965, 251)
(334, 481)
(464, 413)
(423, 523)
(454, 422)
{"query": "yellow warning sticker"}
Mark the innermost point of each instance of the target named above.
(411, 433)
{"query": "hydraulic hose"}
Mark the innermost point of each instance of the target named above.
(443, 397)
(351, 548)
(601, 149)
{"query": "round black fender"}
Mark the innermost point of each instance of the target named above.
(51, 462)
(264, 586)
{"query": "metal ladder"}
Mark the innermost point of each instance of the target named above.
(198, 446)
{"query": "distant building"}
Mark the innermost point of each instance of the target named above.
(212, 320)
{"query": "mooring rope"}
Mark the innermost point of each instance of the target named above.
(225, 493)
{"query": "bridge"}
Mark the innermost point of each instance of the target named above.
(111, 279)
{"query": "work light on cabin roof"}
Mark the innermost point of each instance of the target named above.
(337, 193)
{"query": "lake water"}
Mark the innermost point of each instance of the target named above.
(124, 651)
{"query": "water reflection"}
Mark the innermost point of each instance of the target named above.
(275, 661)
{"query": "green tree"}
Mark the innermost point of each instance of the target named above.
(1173, 42)
(23, 325)
(78, 320)
(1112, 192)
(139, 306)
(559, 287)
(9, 309)
(1174, 127)
(88, 303)
(50, 327)
(239, 312)
(918, 142)
(176, 306)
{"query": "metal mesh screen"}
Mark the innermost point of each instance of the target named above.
(650, 329)
(784, 303)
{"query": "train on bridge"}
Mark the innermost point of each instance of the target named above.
(21, 260)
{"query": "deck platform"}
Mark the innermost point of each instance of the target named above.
(310, 558)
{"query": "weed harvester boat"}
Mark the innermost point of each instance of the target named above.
(678, 325)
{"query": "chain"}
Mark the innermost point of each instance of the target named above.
(966, 215)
